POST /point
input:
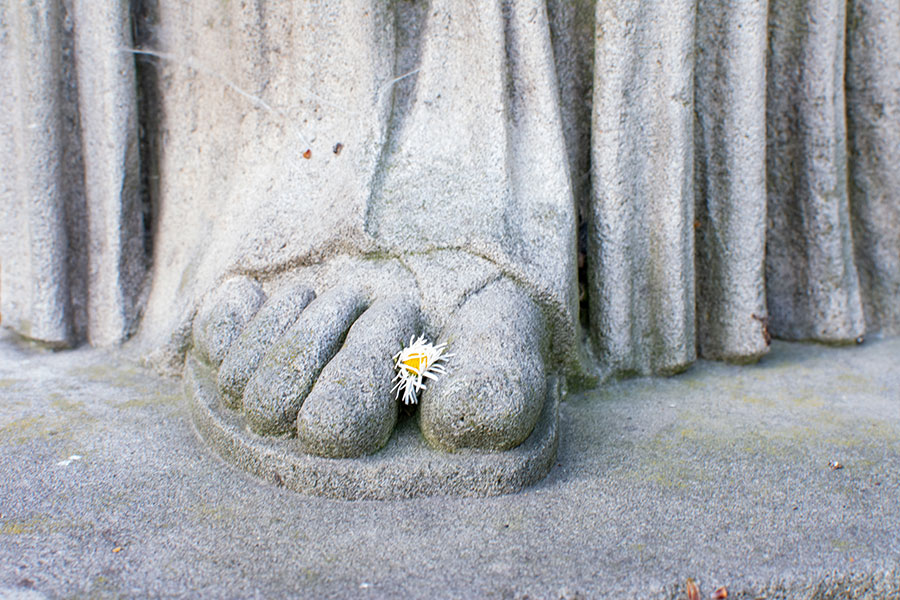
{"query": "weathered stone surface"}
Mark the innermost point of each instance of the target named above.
(572, 32)
(414, 155)
(406, 467)
(494, 390)
(72, 243)
(350, 410)
(730, 179)
(441, 295)
(812, 286)
(720, 474)
(873, 113)
(43, 197)
(223, 315)
(267, 325)
(476, 156)
(246, 94)
(640, 238)
(363, 149)
(379, 95)
(289, 369)
(108, 124)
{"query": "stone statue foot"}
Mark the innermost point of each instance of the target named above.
(313, 366)
(315, 371)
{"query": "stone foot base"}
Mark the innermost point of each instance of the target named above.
(406, 467)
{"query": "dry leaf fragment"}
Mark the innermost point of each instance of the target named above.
(764, 323)
(117, 549)
(720, 594)
(693, 592)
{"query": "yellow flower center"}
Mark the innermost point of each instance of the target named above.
(416, 363)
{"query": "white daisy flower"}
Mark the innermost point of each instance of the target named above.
(416, 363)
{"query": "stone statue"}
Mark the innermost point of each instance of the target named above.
(285, 193)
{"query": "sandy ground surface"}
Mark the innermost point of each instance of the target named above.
(724, 474)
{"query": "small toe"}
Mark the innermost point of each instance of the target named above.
(287, 371)
(493, 394)
(223, 315)
(269, 324)
(350, 410)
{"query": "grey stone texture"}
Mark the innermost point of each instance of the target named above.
(873, 123)
(811, 280)
(452, 172)
(108, 122)
(73, 261)
(323, 369)
(485, 103)
(223, 316)
(447, 130)
(288, 370)
(720, 474)
(447, 160)
(268, 324)
(43, 192)
(730, 179)
(406, 467)
(640, 244)
(492, 396)
(348, 413)
(680, 177)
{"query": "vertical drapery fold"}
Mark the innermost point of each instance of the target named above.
(873, 112)
(794, 236)
(730, 225)
(640, 231)
(811, 280)
(750, 151)
(36, 291)
(72, 252)
(109, 139)
(571, 25)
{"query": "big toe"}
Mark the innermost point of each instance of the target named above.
(350, 410)
(492, 397)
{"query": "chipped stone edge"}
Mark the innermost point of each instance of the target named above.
(405, 468)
